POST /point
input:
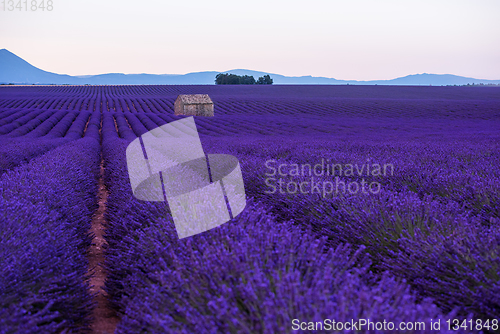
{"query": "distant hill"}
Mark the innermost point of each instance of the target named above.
(14, 69)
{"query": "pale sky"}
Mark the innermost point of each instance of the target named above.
(350, 39)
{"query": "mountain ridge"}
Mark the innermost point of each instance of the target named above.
(15, 70)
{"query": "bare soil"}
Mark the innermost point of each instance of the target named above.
(105, 319)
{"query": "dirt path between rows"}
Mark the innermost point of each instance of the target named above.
(105, 319)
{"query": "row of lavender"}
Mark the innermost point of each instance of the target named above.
(49, 163)
(454, 109)
(52, 124)
(433, 219)
(328, 108)
(46, 207)
(420, 203)
(477, 195)
(97, 103)
(30, 134)
(254, 274)
(423, 102)
(448, 189)
(26, 136)
(284, 91)
(17, 128)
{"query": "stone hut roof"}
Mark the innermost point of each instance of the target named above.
(195, 99)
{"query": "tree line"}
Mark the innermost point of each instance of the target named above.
(233, 79)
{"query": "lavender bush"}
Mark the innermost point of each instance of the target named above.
(254, 274)
(45, 213)
(425, 246)
(399, 224)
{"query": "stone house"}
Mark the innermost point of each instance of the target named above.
(194, 105)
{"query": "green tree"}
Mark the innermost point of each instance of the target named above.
(247, 80)
(227, 79)
(233, 79)
(265, 80)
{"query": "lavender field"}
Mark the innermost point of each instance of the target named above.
(421, 242)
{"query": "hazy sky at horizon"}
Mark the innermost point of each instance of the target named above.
(350, 40)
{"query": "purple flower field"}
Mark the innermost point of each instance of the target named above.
(417, 241)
